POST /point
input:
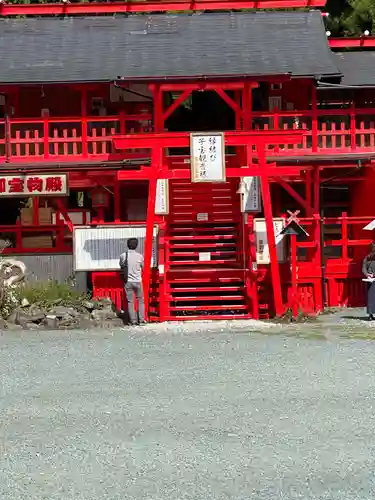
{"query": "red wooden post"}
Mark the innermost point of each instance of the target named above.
(344, 236)
(85, 149)
(308, 187)
(251, 264)
(293, 248)
(122, 122)
(266, 195)
(314, 123)
(316, 190)
(319, 304)
(158, 109)
(35, 202)
(46, 136)
(100, 212)
(353, 138)
(156, 158)
(156, 165)
(163, 309)
(64, 212)
(247, 104)
(116, 201)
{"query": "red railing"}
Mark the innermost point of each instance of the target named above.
(328, 131)
(66, 139)
(335, 131)
(341, 270)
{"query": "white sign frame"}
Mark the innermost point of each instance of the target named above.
(162, 197)
(260, 230)
(216, 167)
(27, 194)
(251, 194)
(82, 263)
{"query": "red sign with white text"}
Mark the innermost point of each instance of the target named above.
(34, 185)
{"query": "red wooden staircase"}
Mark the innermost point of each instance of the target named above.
(204, 257)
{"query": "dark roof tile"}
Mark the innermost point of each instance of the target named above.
(175, 46)
(358, 68)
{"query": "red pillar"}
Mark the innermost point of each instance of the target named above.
(85, 146)
(316, 190)
(116, 200)
(293, 248)
(308, 187)
(155, 168)
(267, 205)
(149, 240)
(35, 204)
(319, 302)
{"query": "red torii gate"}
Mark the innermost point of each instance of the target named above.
(255, 143)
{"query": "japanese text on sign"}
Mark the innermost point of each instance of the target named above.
(252, 197)
(162, 197)
(34, 185)
(207, 158)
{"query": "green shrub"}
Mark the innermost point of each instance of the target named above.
(49, 293)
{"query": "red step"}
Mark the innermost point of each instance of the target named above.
(210, 308)
(206, 288)
(206, 298)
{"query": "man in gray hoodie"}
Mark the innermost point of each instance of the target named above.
(131, 263)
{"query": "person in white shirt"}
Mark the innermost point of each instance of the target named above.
(131, 264)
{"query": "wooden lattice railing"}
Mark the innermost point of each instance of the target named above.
(337, 131)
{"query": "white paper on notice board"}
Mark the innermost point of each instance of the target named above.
(99, 248)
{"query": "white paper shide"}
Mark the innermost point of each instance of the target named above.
(207, 157)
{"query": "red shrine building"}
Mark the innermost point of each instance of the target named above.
(239, 148)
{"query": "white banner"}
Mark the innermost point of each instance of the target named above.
(251, 194)
(207, 157)
(162, 197)
(34, 185)
(99, 248)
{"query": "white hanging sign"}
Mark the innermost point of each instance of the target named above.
(207, 157)
(262, 250)
(162, 197)
(251, 198)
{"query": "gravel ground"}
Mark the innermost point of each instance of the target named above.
(195, 412)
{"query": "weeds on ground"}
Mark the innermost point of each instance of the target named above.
(302, 317)
(46, 295)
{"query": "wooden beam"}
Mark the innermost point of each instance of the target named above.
(293, 193)
(182, 139)
(352, 42)
(132, 6)
(185, 94)
(233, 105)
(185, 173)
